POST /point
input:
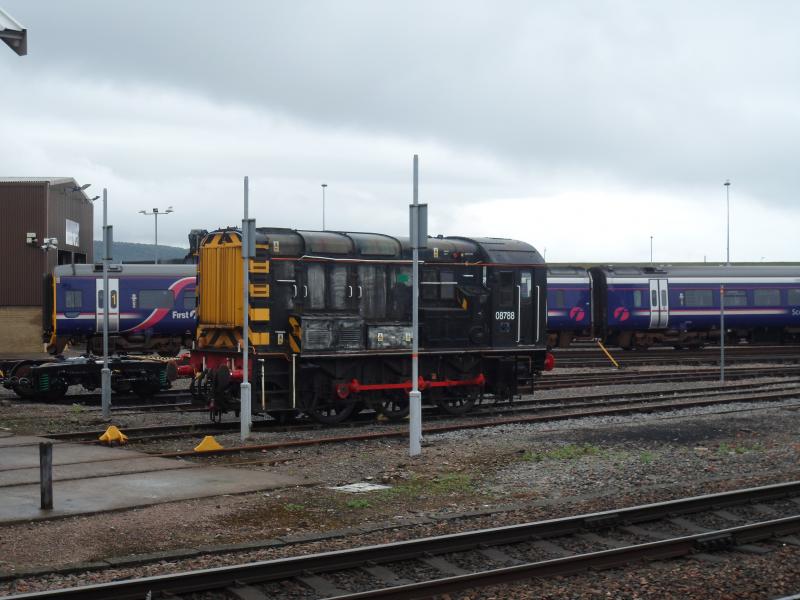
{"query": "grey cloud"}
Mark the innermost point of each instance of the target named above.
(669, 94)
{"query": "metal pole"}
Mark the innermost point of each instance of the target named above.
(105, 373)
(156, 216)
(728, 221)
(244, 406)
(722, 334)
(46, 475)
(324, 185)
(415, 398)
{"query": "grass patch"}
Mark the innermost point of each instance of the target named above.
(725, 448)
(450, 483)
(359, 503)
(291, 507)
(569, 452)
(647, 457)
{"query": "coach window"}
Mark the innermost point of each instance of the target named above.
(73, 301)
(767, 297)
(793, 297)
(735, 298)
(637, 298)
(699, 298)
(653, 298)
(189, 301)
(152, 299)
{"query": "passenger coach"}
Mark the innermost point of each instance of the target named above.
(151, 307)
(569, 306)
(639, 306)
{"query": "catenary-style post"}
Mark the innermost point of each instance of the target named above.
(415, 397)
(105, 373)
(245, 417)
(722, 334)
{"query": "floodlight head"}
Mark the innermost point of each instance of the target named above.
(143, 212)
(93, 199)
(169, 210)
(13, 33)
(84, 186)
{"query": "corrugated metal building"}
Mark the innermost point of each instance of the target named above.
(34, 210)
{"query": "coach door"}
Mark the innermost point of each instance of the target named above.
(659, 304)
(113, 313)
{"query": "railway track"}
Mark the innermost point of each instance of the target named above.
(558, 381)
(592, 357)
(752, 520)
(526, 411)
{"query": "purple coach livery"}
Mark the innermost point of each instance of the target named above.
(680, 306)
(151, 307)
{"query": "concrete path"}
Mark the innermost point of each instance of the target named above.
(88, 479)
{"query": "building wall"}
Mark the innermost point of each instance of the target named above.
(63, 204)
(20, 330)
(23, 208)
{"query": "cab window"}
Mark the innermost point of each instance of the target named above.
(73, 301)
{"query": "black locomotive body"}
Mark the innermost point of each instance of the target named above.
(330, 322)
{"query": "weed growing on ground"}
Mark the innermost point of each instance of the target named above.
(449, 483)
(359, 503)
(726, 448)
(647, 457)
(568, 452)
(290, 507)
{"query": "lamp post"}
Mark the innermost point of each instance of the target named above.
(727, 185)
(155, 212)
(651, 249)
(324, 185)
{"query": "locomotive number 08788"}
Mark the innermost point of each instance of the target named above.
(504, 315)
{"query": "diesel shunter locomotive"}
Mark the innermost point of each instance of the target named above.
(330, 322)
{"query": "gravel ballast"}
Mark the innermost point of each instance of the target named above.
(506, 474)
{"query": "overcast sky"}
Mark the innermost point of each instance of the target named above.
(580, 127)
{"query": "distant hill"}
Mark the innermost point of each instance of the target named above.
(131, 252)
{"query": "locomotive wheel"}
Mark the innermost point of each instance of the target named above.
(457, 405)
(393, 405)
(330, 410)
